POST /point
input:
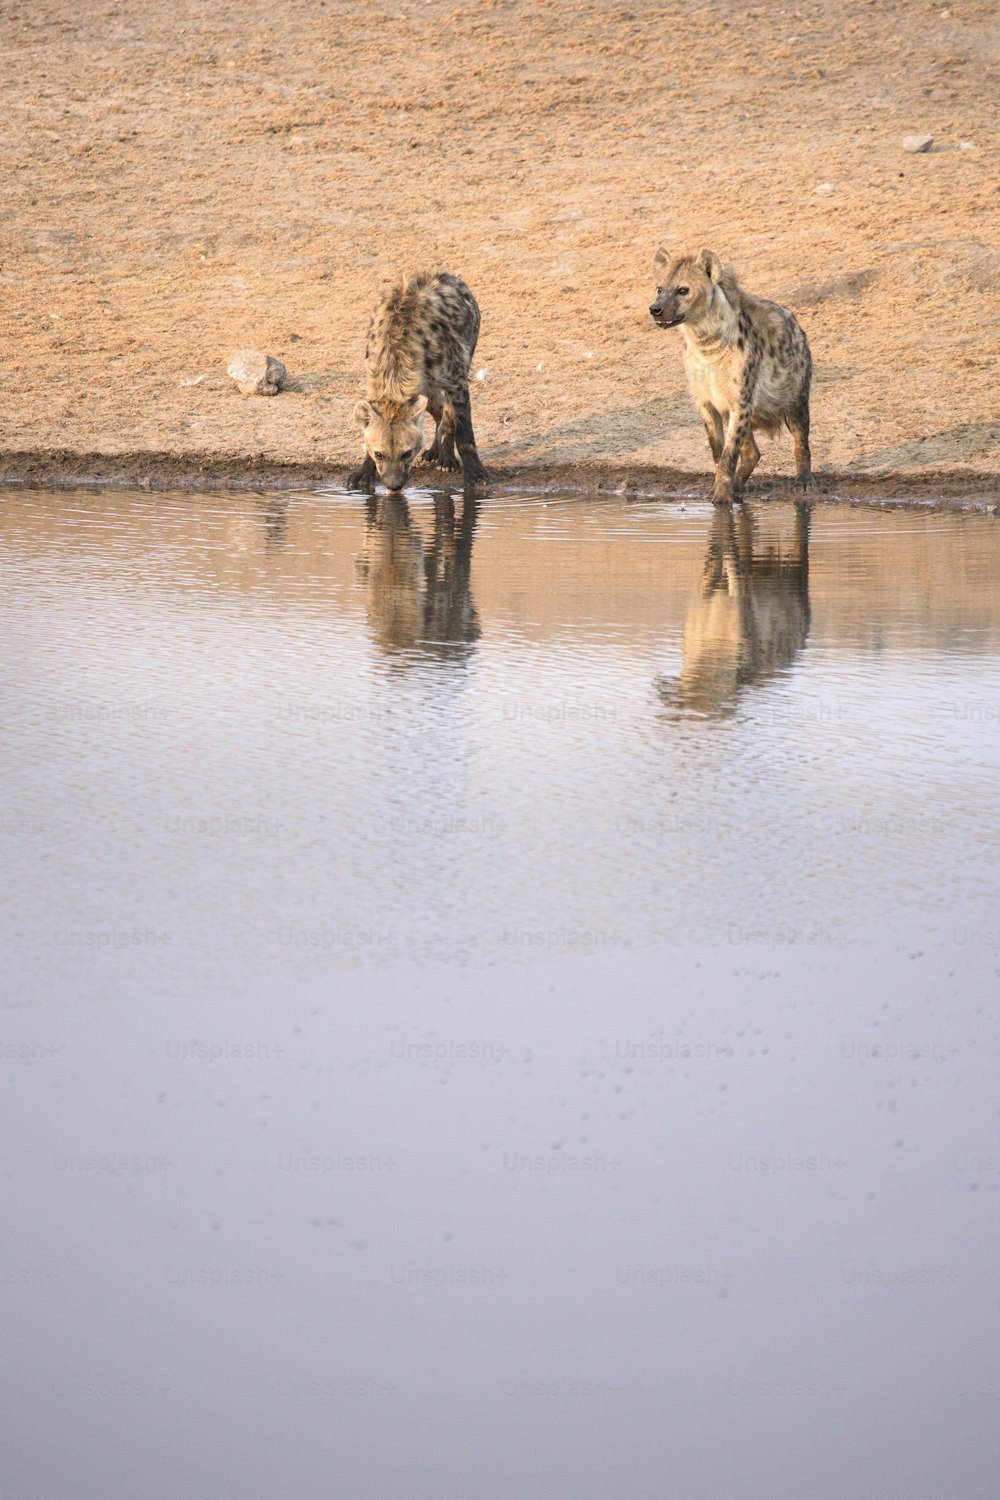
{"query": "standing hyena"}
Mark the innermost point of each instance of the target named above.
(747, 361)
(421, 340)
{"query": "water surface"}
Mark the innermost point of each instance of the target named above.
(500, 1000)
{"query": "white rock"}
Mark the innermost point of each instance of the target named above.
(917, 143)
(255, 373)
(824, 187)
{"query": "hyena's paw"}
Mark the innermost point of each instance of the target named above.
(802, 482)
(475, 473)
(361, 479)
(722, 494)
(431, 455)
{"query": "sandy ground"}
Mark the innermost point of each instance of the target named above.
(186, 179)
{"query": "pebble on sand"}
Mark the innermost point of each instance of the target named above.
(256, 374)
(917, 143)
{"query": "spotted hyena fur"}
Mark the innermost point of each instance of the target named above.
(421, 340)
(747, 361)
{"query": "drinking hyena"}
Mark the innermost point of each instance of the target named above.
(421, 340)
(747, 361)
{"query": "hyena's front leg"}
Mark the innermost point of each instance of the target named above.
(474, 473)
(749, 459)
(713, 429)
(363, 478)
(737, 429)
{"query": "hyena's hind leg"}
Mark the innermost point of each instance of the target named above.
(442, 449)
(434, 411)
(465, 440)
(798, 426)
(446, 442)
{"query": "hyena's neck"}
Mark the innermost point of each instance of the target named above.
(394, 375)
(717, 328)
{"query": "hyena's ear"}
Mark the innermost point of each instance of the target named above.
(660, 259)
(710, 264)
(363, 413)
(418, 404)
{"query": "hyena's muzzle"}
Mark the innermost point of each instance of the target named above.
(665, 311)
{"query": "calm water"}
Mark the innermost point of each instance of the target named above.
(498, 1004)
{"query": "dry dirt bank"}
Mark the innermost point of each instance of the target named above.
(184, 179)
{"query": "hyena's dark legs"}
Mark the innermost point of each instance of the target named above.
(442, 450)
(798, 423)
(363, 478)
(446, 439)
(474, 472)
(435, 407)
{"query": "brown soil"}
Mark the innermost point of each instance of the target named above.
(190, 178)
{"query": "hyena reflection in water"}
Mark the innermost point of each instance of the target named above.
(417, 584)
(750, 619)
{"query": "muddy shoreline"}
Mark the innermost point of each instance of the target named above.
(61, 469)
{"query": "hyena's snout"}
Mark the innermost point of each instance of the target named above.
(394, 474)
(665, 310)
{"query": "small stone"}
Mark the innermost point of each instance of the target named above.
(914, 144)
(256, 374)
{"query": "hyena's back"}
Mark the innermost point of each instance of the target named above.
(422, 337)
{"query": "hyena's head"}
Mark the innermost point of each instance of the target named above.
(393, 437)
(687, 287)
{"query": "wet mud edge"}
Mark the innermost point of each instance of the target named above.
(61, 468)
